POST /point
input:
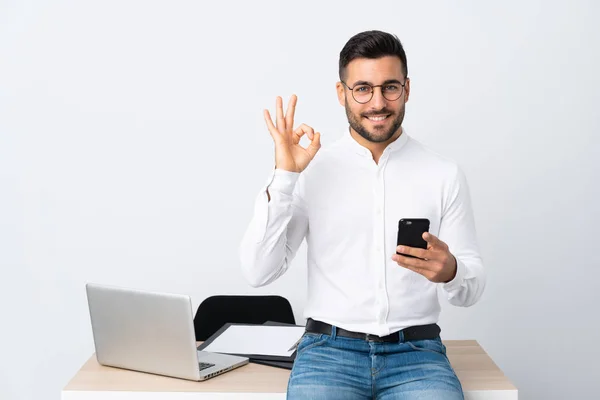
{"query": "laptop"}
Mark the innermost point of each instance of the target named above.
(151, 332)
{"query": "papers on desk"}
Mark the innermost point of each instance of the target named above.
(258, 341)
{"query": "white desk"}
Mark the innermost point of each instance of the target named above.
(480, 377)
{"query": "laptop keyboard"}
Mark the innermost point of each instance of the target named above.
(203, 365)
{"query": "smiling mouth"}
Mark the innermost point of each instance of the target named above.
(377, 118)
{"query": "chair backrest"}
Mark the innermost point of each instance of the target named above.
(216, 311)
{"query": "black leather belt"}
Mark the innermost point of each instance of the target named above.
(420, 332)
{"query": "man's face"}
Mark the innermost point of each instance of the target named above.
(366, 119)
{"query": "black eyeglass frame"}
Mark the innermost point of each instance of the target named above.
(373, 90)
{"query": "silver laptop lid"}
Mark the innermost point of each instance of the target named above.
(143, 331)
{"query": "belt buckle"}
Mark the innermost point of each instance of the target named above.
(373, 338)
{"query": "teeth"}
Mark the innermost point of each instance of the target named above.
(378, 118)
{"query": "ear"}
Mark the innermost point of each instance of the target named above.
(407, 90)
(339, 87)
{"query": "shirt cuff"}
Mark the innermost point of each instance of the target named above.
(459, 278)
(283, 181)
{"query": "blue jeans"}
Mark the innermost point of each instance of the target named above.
(332, 367)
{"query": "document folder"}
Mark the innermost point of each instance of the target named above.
(267, 342)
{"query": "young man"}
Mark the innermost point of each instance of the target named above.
(372, 313)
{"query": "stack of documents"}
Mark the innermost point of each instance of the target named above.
(271, 344)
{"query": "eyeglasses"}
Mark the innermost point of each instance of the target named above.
(363, 93)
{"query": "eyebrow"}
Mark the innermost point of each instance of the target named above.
(386, 82)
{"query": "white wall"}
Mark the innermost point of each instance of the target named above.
(132, 146)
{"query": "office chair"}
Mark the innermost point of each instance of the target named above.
(216, 311)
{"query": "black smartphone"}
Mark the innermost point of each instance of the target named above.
(410, 233)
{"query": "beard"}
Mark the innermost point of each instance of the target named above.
(379, 135)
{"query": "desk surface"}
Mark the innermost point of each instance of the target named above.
(480, 377)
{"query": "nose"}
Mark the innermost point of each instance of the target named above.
(378, 101)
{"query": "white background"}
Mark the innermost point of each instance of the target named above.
(132, 146)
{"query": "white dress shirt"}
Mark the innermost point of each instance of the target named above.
(348, 207)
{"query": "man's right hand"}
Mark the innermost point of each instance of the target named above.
(289, 155)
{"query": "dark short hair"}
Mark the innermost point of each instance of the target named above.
(372, 44)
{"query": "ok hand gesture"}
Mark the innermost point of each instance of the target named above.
(289, 154)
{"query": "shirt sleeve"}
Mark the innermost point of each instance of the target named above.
(457, 229)
(276, 230)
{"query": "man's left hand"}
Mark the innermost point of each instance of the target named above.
(436, 263)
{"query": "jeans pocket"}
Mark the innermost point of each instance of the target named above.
(310, 340)
(434, 345)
